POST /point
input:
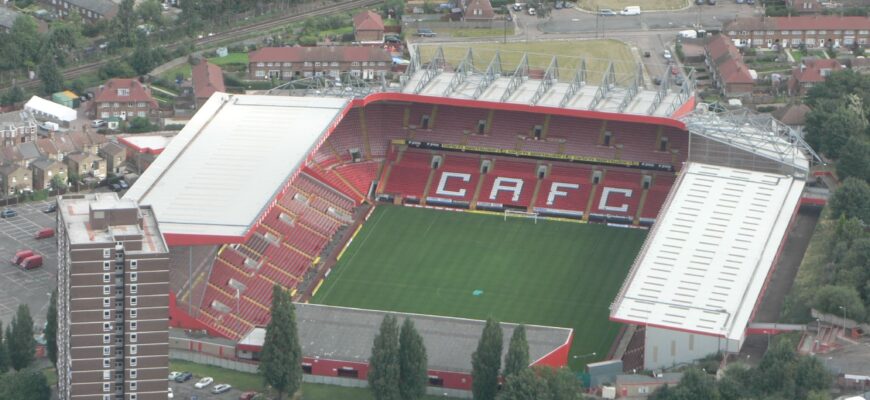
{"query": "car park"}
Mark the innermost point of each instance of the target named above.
(221, 388)
(8, 213)
(204, 382)
(184, 377)
(424, 32)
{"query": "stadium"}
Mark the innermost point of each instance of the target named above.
(576, 205)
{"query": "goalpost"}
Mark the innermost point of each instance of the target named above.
(521, 214)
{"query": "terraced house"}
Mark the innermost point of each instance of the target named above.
(808, 30)
(90, 10)
(287, 63)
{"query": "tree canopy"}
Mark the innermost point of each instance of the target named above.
(281, 358)
(51, 326)
(851, 199)
(541, 383)
(28, 384)
(383, 375)
(486, 362)
(413, 363)
(517, 358)
(20, 342)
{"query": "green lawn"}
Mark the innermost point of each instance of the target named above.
(245, 382)
(427, 261)
(597, 53)
(231, 58)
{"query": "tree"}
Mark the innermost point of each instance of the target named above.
(4, 355)
(832, 122)
(383, 373)
(51, 326)
(393, 8)
(58, 182)
(830, 298)
(852, 199)
(26, 41)
(52, 79)
(855, 159)
(151, 12)
(561, 383)
(523, 385)
(22, 346)
(695, 384)
(281, 358)
(118, 69)
(517, 358)
(29, 384)
(810, 376)
(142, 59)
(14, 95)
(486, 362)
(124, 29)
(413, 363)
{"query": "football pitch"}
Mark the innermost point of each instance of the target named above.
(475, 266)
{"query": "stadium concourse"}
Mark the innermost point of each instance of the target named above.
(276, 186)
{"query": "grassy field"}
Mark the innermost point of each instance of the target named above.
(427, 261)
(245, 382)
(598, 53)
(231, 58)
(645, 5)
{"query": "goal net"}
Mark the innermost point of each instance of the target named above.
(520, 214)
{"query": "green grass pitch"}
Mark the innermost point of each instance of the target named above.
(430, 262)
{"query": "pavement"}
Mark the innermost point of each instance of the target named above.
(186, 391)
(31, 287)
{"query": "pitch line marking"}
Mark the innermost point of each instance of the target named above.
(350, 260)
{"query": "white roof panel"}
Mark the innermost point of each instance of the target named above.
(41, 106)
(219, 174)
(704, 263)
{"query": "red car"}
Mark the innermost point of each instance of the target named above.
(248, 395)
(20, 255)
(32, 262)
(675, 70)
(45, 233)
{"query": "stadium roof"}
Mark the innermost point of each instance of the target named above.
(705, 262)
(224, 169)
(346, 334)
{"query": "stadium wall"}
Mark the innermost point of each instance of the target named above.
(557, 358)
(667, 347)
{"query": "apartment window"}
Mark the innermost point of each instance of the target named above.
(334, 64)
(133, 277)
(141, 114)
(838, 32)
(107, 265)
(261, 64)
(116, 105)
(107, 350)
(107, 397)
(307, 63)
(864, 32)
(107, 386)
(134, 300)
(850, 32)
(133, 349)
(811, 32)
(287, 64)
(382, 64)
(107, 314)
(141, 104)
(107, 375)
(317, 64)
(123, 92)
(133, 361)
(107, 253)
(260, 74)
(133, 313)
(133, 289)
(133, 374)
(133, 396)
(133, 337)
(365, 64)
(268, 64)
(106, 339)
(133, 385)
(106, 363)
(133, 325)
(134, 264)
(107, 326)
(822, 32)
(107, 302)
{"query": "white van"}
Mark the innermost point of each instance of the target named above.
(630, 10)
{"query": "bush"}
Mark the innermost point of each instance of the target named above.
(766, 109)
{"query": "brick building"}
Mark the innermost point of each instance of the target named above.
(809, 30)
(478, 10)
(809, 73)
(368, 27)
(288, 63)
(90, 10)
(16, 127)
(7, 18)
(728, 71)
(207, 78)
(14, 179)
(44, 170)
(113, 340)
(125, 99)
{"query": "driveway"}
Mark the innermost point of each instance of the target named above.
(31, 287)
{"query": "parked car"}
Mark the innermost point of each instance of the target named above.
(630, 10)
(204, 382)
(679, 80)
(123, 184)
(675, 70)
(666, 54)
(32, 262)
(518, 7)
(425, 32)
(711, 2)
(50, 208)
(169, 394)
(657, 81)
(606, 12)
(559, 5)
(44, 233)
(173, 375)
(184, 377)
(98, 123)
(222, 388)
(20, 255)
(8, 213)
(532, 11)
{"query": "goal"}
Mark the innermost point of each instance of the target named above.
(520, 214)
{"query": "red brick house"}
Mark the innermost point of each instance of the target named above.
(368, 27)
(810, 73)
(478, 10)
(728, 71)
(809, 30)
(124, 98)
(207, 78)
(90, 10)
(288, 63)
